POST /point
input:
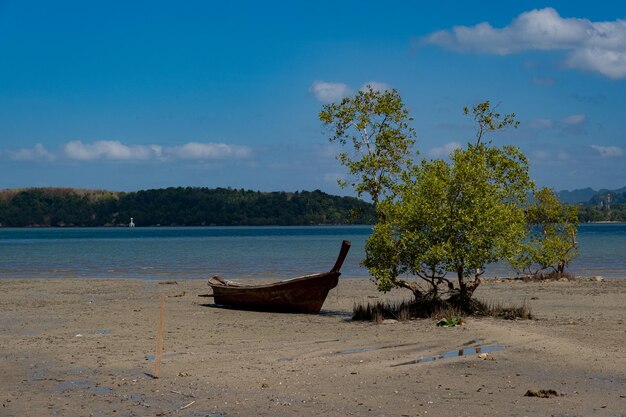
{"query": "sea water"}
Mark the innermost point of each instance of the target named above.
(236, 252)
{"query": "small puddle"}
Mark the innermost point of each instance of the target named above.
(36, 375)
(608, 379)
(455, 354)
(103, 390)
(71, 385)
(98, 331)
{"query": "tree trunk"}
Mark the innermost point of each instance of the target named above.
(463, 299)
(411, 286)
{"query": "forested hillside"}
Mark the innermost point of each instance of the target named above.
(602, 213)
(177, 207)
(190, 206)
(590, 196)
(604, 205)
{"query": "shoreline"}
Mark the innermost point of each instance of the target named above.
(85, 347)
(607, 275)
(215, 226)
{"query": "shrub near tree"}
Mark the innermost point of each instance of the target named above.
(551, 246)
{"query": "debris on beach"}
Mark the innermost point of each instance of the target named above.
(541, 393)
(450, 322)
(182, 294)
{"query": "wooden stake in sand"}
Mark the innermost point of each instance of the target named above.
(159, 339)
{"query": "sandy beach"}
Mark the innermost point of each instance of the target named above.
(86, 348)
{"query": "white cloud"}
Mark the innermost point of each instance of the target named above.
(115, 150)
(575, 119)
(376, 86)
(574, 123)
(196, 150)
(608, 151)
(329, 92)
(591, 46)
(541, 124)
(607, 58)
(444, 151)
(110, 149)
(38, 152)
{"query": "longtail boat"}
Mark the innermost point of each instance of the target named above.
(304, 294)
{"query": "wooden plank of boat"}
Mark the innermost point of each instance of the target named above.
(298, 295)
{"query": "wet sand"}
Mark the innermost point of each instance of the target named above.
(86, 348)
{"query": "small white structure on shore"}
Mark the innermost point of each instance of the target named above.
(132, 223)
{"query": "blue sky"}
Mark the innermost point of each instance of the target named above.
(135, 95)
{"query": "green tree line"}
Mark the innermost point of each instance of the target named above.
(599, 213)
(182, 206)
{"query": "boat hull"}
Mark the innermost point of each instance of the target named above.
(300, 295)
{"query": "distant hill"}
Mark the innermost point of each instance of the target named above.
(597, 206)
(582, 195)
(190, 206)
(613, 197)
(589, 196)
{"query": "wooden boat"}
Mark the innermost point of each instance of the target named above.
(298, 295)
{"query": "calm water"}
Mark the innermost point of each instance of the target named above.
(272, 252)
